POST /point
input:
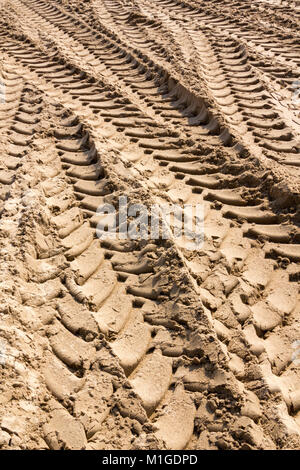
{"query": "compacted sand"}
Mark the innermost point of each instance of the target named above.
(146, 344)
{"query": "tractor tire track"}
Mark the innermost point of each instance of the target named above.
(120, 318)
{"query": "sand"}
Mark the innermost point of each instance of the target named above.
(146, 343)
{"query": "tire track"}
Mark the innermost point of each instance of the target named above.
(239, 300)
(127, 345)
(272, 148)
(237, 88)
(71, 305)
(17, 123)
(173, 113)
